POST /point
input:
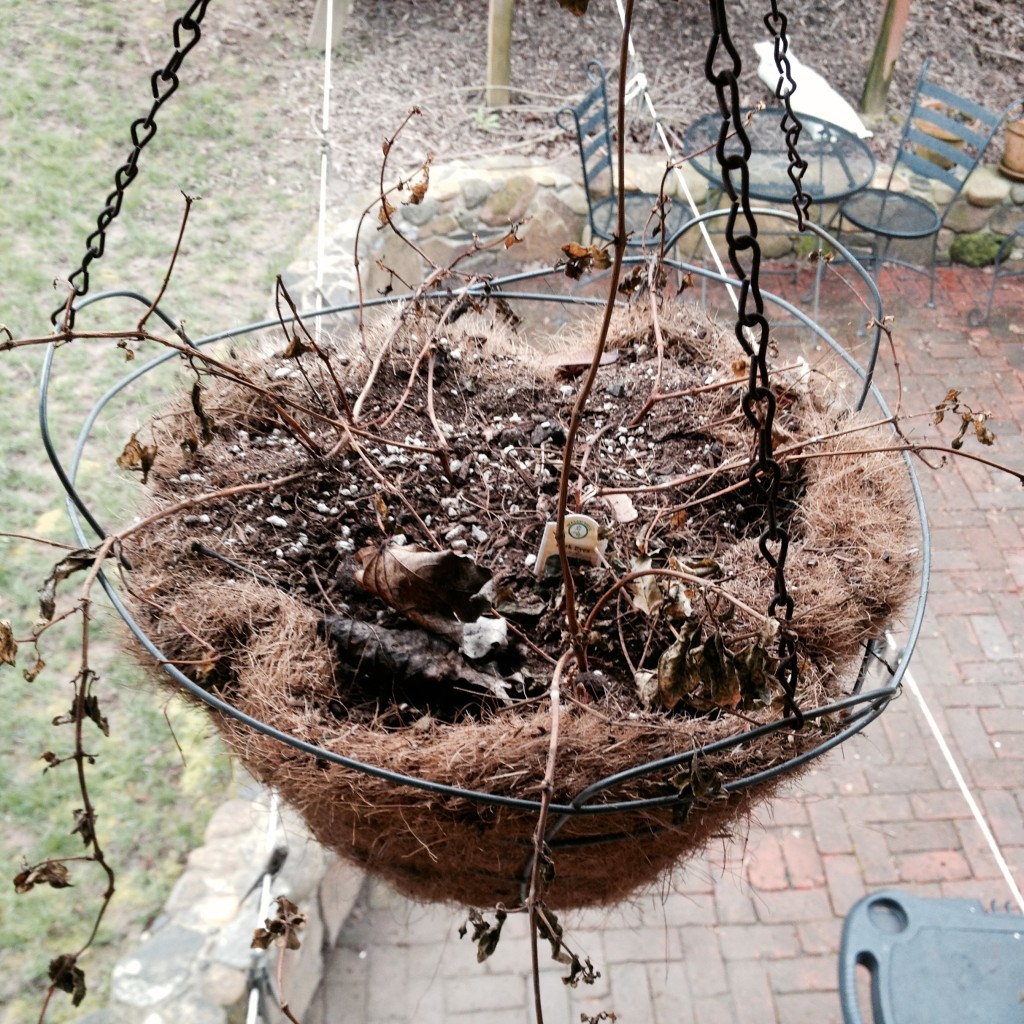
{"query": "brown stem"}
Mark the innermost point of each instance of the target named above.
(576, 637)
(189, 200)
(547, 789)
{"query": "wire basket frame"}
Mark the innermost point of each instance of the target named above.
(861, 706)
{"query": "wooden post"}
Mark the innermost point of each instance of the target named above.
(887, 48)
(318, 27)
(499, 52)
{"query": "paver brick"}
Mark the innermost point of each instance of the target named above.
(912, 836)
(818, 938)
(702, 958)
(766, 941)
(933, 866)
(751, 991)
(803, 865)
(671, 999)
(845, 881)
(1003, 720)
(632, 945)
(793, 905)
(734, 904)
(803, 974)
(809, 1008)
(478, 993)
(976, 850)
(872, 851)
(1004, 816)
(943, 804)
(829, 826)
(766, 868)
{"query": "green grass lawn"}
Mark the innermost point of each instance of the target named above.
(75, 77)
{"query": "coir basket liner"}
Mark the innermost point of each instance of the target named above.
(289, 478)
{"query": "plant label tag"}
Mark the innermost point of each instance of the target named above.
(582, 542)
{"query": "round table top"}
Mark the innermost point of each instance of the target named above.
(838, 162)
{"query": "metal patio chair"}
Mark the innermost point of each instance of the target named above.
(590, 121)
(1003, 268)
(932, 961)
(892, 214)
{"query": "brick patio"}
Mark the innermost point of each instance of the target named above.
(750, 932)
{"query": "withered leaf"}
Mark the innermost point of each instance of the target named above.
(387, 208)
(485, 935)
(755, 668)
(8, 645)
(407, 656)
(83, 826)
(206, 422)
(698, 782)
(418, 190)
(138, 456)
(678, 674)
(577, 7)
(51, 873)
(582, 970)
(68, 977)
(647, 595)
(282, 928)
(296, 347)
(31, 674)
(718, 671)
(429, 587)
(75, 561)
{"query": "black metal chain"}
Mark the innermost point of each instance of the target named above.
(733, 153)
(163, 84)
(776, 22)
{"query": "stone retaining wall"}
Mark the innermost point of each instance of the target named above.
(480, 200)
(194, 963)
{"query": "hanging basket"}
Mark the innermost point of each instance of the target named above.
(341, 672)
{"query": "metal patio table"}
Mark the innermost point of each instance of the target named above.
(839, 163)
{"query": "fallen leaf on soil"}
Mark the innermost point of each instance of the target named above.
(647, 595)
(375, 655)
(433, 588)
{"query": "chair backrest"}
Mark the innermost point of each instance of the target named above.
(589, 120)
(945, 136)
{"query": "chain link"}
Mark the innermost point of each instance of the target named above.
(776, 22)
(722, 69)
(163, 84)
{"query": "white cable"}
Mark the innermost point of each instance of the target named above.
(979, 815)
(273, 819)
(640, 83)
(325, 161)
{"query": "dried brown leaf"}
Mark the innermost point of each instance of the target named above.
(51, 873)
(433, 588)
(78, 560)
(8, 645)
(136, 455)
(68, 977)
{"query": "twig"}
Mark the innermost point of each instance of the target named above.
(189, 200)
(547, 791)
(576, 637)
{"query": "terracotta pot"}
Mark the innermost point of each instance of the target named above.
(1012, 164)
(936, 133)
